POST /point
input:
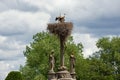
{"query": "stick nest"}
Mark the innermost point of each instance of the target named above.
(62, 30)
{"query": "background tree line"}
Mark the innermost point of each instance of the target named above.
(102, 65)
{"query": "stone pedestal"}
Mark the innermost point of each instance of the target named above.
(73, 75)
(63, 75)
(52, 76)
(65, 79)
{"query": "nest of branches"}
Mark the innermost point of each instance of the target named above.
(62, 30)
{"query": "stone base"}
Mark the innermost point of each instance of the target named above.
(73, 75)
(51, 76)
(66, 79)
(63, 74)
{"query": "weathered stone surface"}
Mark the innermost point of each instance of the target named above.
(63, 74)
(51, 76)
(73, 75)
(66, 79)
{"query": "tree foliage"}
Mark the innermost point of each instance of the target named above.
(109, 57)
(14, 75)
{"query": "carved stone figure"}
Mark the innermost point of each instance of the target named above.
(51, 61)
(72, 63)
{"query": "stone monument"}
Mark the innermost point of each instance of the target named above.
(62, 29)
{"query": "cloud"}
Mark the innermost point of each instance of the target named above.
(21, 26)
(14, 22)
(99, 27)
(88, 42)
(3, 69)
(20, 5)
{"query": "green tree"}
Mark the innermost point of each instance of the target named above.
(40, 77)
(14, 75)
(98, 70)
(37, 55)
(108, 57)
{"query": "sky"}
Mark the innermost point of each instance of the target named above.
(21, 19)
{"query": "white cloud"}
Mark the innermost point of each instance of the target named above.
(16, 22)
(20, 5)
(2, 39)
(6, 44)
(89, 43)
(3, 69)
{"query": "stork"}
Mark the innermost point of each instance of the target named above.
(60, 18)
